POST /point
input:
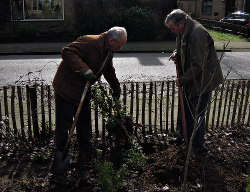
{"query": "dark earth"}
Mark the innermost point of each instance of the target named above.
(25, 166)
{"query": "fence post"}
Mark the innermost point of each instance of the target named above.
(13, 113)
(143, 108)
(6, 108)
(161, 103)
(167, 106)
(230, 102)
(225, 103)
(214, 108)
(220, 106)
(124, 97)
(241, 102)
(155, 124)
(34, 115)
(132, 100)
(246, 103)
(43, 133)
(172, 106)
(28, 111)
(20, 101)
(235, 103)
(49, 109)
(137, 105)
(150, 107)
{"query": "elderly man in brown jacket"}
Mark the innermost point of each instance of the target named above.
(81, 62)
(199, 73)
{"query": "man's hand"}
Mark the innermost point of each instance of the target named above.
(173, 57)
(89, 75)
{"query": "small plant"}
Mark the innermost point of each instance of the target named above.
(118, 124)
(135, 158)
(109, 179)
(42, 156)
(23, 185)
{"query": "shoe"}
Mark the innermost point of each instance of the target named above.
(60, 164)
(177, 141)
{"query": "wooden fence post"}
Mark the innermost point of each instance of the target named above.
(246, 103)
(13, 113)
(220, 106)
(230, 102)
(34, 115)
(137, 104)
(161, 107)
(172, 106)
(132, 100)
(167, 106)
(156, 109)
(235, 103)
(6, 108)
(143, 108)
(20, 101)
(214, 108)
(124, 97)
(225, 103)
(28, 111)
(150, 107)
(49, 109)
(241, 102)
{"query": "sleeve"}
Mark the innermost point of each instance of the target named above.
(198, 50)
(110, 75)
(73, 55)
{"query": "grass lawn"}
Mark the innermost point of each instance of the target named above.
(220, 36)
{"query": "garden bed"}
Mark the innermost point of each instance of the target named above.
(223, 169)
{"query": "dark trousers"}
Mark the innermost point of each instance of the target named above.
(65, 112)
(190, 105)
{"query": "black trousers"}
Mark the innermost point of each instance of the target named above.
(190, 105)
(65, 112)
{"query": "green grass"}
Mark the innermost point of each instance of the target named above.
(220, 36)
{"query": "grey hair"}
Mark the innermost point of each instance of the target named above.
(117, 33)
(176, 16)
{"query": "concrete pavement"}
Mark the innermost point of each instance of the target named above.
(155, 46)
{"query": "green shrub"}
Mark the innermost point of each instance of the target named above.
(139, 23)
(135, 157)
(109, 179)
(114, 17)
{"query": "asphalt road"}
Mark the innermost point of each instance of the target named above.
(138, 67)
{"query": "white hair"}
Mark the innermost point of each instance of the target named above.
(117, 33)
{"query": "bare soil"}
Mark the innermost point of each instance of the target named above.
(223, 169)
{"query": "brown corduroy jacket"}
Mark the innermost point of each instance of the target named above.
(87, 52)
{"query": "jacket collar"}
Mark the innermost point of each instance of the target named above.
(189, 25)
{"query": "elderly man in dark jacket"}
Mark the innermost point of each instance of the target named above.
(81, 62)
(200, 72)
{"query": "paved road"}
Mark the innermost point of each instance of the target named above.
(20, 69)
